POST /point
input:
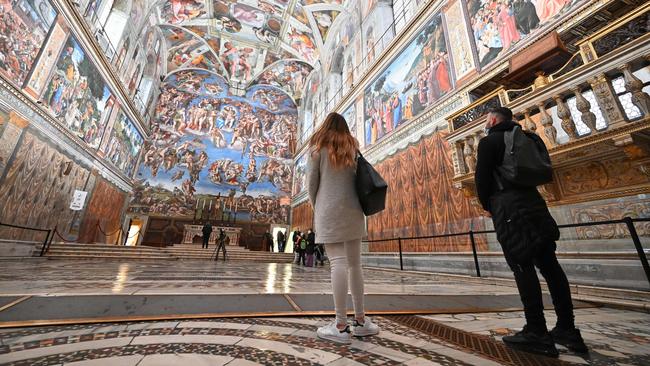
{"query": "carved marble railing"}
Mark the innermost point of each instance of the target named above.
(591, 110)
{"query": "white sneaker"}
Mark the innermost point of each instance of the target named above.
(332, 333)
(368, 328)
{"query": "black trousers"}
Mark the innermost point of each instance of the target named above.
(221, 247)
(530, 290)
(206, 240)
(301, 257)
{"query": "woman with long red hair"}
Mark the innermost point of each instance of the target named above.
(339, 222)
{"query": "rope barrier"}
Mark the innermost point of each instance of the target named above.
(105, 234)
(56, 232)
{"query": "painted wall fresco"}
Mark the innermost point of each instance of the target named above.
(24, 24)
(208, 143)
(300, 175)
(461, 54)
(104, 206)
(34, 192)
(124, 145)
(416, 79)
(47, 61)
(422, 200)
(77, 95)
(350, 115)
(499, 25)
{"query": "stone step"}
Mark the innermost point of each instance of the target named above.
(108, 257)
(107, 251)
(185, 252)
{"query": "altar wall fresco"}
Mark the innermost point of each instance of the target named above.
(104, 207)
(422, 201)
(208, 144)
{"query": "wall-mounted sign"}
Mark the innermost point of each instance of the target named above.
(78, 200)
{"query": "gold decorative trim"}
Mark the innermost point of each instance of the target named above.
(291, 302)
(14, 303)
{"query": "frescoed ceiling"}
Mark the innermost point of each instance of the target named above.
(273, 42)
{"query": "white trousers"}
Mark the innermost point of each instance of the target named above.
(345, 263)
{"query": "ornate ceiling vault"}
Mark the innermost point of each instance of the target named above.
(248, 42)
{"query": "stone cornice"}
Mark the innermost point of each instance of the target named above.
(41, 120)
(84, 35)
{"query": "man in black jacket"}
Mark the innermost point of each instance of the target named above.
(207, 231)
(527, 234)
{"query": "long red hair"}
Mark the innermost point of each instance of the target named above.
(335, 135)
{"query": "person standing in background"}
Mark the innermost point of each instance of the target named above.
(207, 231)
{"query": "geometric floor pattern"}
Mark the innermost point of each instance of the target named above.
(292, 341)
(615, 337)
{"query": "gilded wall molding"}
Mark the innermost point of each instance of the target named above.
(40, 120)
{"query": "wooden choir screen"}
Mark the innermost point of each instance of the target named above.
(422, 201)
(302, 216)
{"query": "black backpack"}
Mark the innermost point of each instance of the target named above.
(525, 161)
(371, 187)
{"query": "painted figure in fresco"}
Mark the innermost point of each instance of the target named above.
(547, 9)
(525, 15)
(178, 175)
(182, 10)
(506, 26)
(20, 42)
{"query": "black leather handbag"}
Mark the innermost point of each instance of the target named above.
(371, 187)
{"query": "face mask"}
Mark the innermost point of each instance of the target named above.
(486, 130)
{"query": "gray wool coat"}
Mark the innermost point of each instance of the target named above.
(337, 212)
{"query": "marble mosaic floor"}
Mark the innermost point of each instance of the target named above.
(60, 277)
(616, 337)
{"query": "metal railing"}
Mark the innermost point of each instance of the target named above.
(628, 221)
(20, 227)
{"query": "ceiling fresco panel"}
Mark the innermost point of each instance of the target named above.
(180, 11)
(251, 21)
(290, 75)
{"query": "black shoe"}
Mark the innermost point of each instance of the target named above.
(528, 341)
(569, 338)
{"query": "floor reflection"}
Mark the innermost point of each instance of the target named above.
(120, 278)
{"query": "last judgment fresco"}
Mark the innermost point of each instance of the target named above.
(235, 153)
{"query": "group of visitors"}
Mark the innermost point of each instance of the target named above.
(308, 253)
(525, 229)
